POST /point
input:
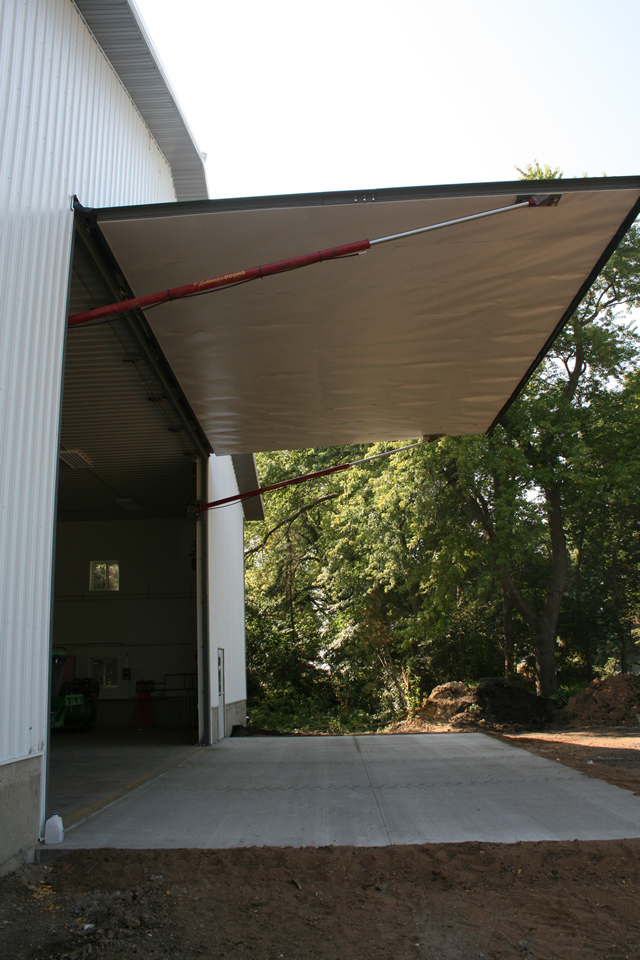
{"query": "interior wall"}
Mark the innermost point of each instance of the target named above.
(148, 625)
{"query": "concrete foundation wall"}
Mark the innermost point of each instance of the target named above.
(214, 724)
(235, 715)
(20, 805)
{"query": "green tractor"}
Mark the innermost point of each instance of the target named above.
(73, 704)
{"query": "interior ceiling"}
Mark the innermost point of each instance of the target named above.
(429, 334)
(117, 413)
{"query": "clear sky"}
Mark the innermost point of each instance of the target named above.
(287, 97)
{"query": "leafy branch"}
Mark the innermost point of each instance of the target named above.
(288, 521)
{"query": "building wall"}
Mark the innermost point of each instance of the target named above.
(148, 626)
(67, 127)
(225, 536)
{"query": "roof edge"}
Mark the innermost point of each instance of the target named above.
(121, 33)
(389, 194)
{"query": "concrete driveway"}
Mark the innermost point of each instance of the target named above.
(364, 791)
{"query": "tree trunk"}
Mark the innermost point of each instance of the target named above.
(508, 642)
(615, 603)
(542, 625)
(546, 679)
(543, 629)
(624, 666)
(584, 642)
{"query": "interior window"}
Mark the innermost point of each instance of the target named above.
(105, 671)
(105, 575)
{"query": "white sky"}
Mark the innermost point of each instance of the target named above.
(287, 97)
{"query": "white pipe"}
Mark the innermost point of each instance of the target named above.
(388, 453)
(451, 223)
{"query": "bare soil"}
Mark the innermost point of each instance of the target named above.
(442, 902)
(611, 754)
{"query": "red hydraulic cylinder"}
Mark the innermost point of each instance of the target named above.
(236, 497)
(280, 266)
(229, 279)
(272, 486)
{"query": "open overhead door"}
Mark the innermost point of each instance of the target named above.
(428, 334)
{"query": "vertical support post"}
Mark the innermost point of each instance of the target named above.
(202, 621)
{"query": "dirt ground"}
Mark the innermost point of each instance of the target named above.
(442, 902)
(611, 754)
(606, 753)
(437, 901)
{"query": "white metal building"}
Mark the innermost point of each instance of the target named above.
(108, 431)
(86, 112)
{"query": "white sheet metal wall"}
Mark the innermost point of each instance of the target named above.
(225, 535)
(67, 127)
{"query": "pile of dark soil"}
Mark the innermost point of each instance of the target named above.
(505, 702)
(493, 702)
(521, 901)
(615, 700)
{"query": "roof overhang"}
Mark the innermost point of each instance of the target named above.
(431, 334)
(120, 31)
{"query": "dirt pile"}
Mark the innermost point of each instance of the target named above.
(493, 702)
(445, 701)
(505, 702)
(615, 700)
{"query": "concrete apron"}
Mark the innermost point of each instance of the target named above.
(365, 791)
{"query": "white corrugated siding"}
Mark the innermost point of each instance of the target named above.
(226, 583)
(67, 126)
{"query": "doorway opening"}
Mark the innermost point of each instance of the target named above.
(130, 671)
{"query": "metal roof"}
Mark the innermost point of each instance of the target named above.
(119, 29)
(427, 334)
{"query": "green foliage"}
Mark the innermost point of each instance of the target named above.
(289, 711)
(537, 171)
(465, 558)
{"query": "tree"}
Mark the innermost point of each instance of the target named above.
(370, 587)
(547, 450)
(539, 171)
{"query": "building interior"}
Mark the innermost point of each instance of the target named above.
(126, 570)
